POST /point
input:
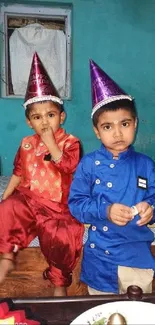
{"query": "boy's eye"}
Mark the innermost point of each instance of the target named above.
(125, 124)
(50, 114)
(107, 127)
(36, 117)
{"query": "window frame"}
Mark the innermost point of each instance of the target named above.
(38, 12)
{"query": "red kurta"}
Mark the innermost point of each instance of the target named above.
(39, 206)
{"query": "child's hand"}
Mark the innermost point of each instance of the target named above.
(47, 137)
(145, 212)
(120, 214)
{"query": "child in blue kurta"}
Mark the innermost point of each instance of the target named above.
(114, 191)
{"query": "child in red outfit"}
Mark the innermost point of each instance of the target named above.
(35, 200)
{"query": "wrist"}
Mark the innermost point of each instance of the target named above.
(57, 158)
(109, 211)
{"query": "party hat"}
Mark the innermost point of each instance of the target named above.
(104, 89)
(40, 87)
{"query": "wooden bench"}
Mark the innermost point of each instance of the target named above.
(27, 279)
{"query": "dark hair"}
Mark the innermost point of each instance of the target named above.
(30, 106)
(114, 106)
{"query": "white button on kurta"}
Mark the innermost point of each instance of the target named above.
(97, 181)
(97, 162)
(107, 252)
(93, 228)
(105, 228)
(112, 165)
(109, 184)
(92, 245)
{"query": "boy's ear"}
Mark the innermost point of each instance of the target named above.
(28, 123)
(96, 132)
(62, 117)
(136, 122)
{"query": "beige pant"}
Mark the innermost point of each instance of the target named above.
(130, 276)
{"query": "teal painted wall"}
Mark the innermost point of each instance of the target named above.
(120, 36)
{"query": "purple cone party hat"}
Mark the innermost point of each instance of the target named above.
(104, 89)
(40, 86)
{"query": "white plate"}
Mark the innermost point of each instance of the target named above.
(135, 313)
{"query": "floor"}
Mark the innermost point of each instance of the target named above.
(27, 279)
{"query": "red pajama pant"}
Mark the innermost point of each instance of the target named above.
(22, 218)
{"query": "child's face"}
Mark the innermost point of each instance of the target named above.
(44, 115)
(116, 130)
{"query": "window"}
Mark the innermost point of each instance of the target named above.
(26, 29)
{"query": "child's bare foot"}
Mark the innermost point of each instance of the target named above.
(59, 292)
(6, 266)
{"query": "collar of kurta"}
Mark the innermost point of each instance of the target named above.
(121, 156)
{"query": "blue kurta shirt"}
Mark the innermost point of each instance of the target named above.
(99, 182)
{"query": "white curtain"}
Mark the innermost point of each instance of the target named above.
(50, 45)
